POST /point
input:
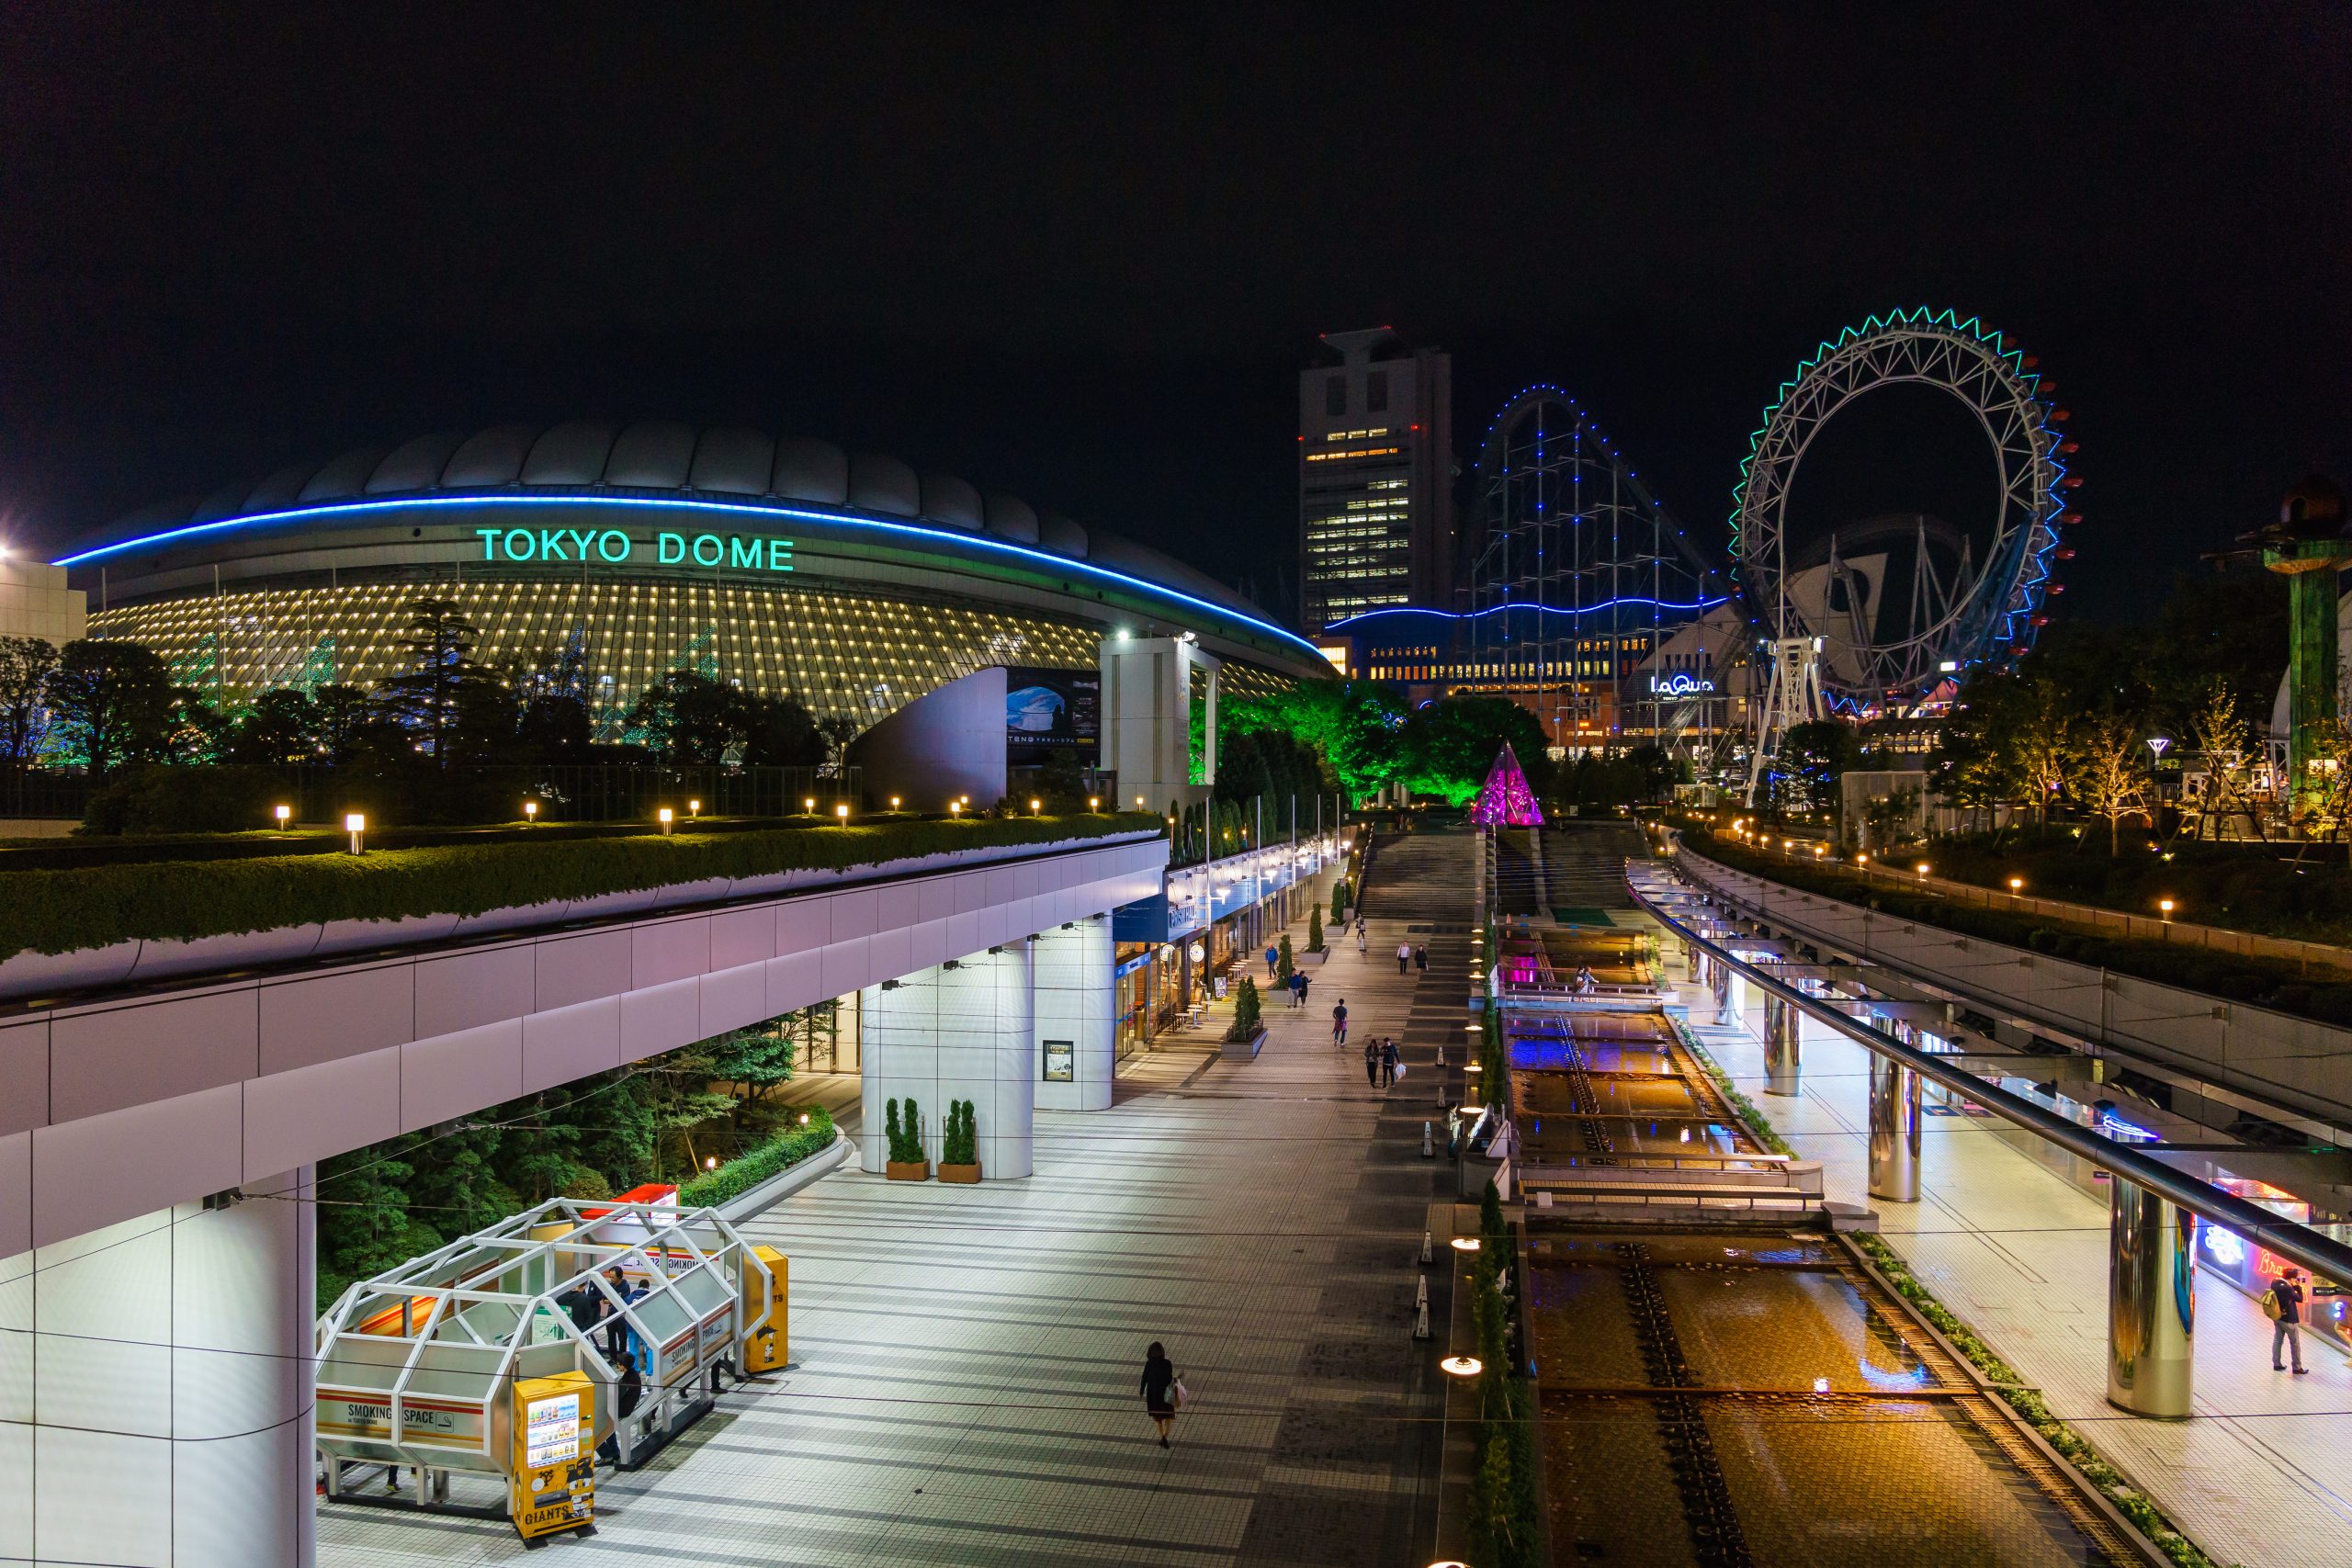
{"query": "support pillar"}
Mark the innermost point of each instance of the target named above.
(1071, 969)
(1780, 1046)
(156, 1388)
(2150, 1302)
(1719, 981)
(962, 1030)
(1894, 1092)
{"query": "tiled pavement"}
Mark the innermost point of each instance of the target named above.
(966, 1392)
(2261, 1476)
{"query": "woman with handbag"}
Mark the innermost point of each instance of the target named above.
(1163, 1395)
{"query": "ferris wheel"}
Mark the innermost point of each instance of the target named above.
(1899, 606)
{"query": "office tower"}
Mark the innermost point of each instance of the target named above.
(1376, 478)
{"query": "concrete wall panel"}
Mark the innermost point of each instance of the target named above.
(466, 990)
(575, 969)
(571, 1043)
(846, 968)
(92, 1172)
(733, 998)
(803, 925)
(855, 913)
(667, 951)
(23, 1076)
(302, 1116)
(103, 1060)
(322, 1017)
(662, 1019)
(16, 1211)
(795, 980)
(451, 1075)
(742, 936)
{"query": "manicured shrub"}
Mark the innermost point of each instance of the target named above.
(747, 1170)
(1245, 1011)
(1285, 965)
(1314, 930)
(98, 905)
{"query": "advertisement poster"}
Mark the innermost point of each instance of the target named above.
(1046, 709)
(1061, 1061)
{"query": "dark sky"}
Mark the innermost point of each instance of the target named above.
(1081, 253)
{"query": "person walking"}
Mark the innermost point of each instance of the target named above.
(2285, 1310)
(1160, 1399)
(1272, 952)
(1363, 948)
(1404, 956)
(1389, 1063)
(1297, 987)
(1303, 983)
(1421, 959)
(1372, 1064)
(1339, 1022)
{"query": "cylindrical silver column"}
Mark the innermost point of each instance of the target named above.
(1780, 1046)
(1895, 1129)
(1720, 981)
(2150, 1302)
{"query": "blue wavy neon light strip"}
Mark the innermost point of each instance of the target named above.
(1546, 609)
(734, 508)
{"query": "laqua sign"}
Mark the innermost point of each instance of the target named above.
(1680, 685)
(611, 546)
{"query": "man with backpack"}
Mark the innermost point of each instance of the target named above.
(2284, 1307)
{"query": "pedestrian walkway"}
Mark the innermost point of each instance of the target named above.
(2261, 1475)
(966, 1392)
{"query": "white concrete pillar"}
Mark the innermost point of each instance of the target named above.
(1070, 968)
(155, 1389)
(961, 1031)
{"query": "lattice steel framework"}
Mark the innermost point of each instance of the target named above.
(1991, 606)
(1579, 574)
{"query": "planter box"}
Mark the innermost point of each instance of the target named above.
(907, 1170)
(959, 1173)
(1243, 1050)
(1310, 960)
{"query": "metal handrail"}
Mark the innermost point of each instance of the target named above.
(2320, 1254)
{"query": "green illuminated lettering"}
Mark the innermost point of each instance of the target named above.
(746, 554)
(524, 551)
(552, 545)
(584, 538)
(673, 548)
(718, 549)
(779, 555)
(489, 543)
(607, 539)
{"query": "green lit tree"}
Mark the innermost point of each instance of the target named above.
(112, 702)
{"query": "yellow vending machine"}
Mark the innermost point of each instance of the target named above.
(767, 1342)
(553, 1484)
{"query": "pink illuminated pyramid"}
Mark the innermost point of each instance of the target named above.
(1505, 800)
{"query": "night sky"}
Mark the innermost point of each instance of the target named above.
(1082, 255)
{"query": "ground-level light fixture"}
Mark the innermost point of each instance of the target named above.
(955, 809)
(1821, 1385)
(283, 814)
(808, 806)
(894, 802)
(840, 812)
(355, 824)
(665, 816)
(804, 1119)
(1138, 803)
(710, 1162)
(693, 808)
(530, 811)
(2165, 907)
(1465, 1243)
(1922, 868)
(1463, 1366)
(1094, 803)
(2016, 884)
(1035, 806)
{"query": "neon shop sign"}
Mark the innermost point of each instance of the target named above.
(611, 546)
(1679, 685)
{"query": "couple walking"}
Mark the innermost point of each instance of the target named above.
(1380, 1066)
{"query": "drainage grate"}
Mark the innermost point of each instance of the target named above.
(1716, 1538)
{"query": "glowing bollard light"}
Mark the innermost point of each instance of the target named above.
(955, 809)
(808, 806)
(1035, 806)
(285, 814)
(530, 811)
(355, 824)
(693, 808)
(665, 816)
(2163, 906)
(840, 812)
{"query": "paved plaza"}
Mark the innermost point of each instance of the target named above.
(966, 1391)
(2261, 1475)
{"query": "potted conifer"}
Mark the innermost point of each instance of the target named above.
(1315, 952)
(1245, 1035)
(906, 1161)
(960, 1147)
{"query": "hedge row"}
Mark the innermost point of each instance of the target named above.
(2263, 982)
(739, 1175)
(96, 907)
(2136, 1506)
